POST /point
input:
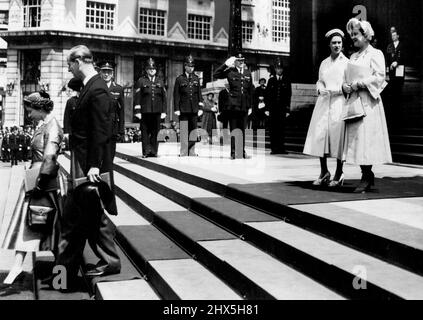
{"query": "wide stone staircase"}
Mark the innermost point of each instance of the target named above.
(186, 236)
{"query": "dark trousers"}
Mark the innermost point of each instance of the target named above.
(14, 157)
(150, 127)
(237, 120)
(84, 219)
(113, 142)
(277, 131)
(188, 123)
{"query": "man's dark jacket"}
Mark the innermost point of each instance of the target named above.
(241, 88)
(118, 113)
(187, 94)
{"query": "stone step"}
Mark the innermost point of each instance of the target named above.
(400, 248)
(162, 261)
(246, 221)
(235, 261)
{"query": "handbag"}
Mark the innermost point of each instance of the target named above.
(353, 109)
(40, 209)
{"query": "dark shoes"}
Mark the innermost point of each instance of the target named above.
(367, 181)
(273, 152)
(101, 272)
(244, 156)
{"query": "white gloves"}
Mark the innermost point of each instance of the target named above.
(261, 105)
(138, 116)
(230, 62)
(178, 113)
(163, 116)
(250, 111)
(200, 113)
(267, 113)
(214, 109)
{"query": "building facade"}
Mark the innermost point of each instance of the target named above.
(41, 32)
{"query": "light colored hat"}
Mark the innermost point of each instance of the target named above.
(334, 31)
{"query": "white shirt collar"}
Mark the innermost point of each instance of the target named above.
(89, 77)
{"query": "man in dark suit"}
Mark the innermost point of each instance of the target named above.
(241, 94)
(395, 65)
(13, 144)
(278, 99)
(90, 144)
(75, 85)
(118, 111)
(188, 104)
(150, 107)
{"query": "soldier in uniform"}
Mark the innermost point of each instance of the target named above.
(14, 146)
(118, 111)
(278, 100)
(188, 105)
(5, 149)
(150, 107)
(241, 95)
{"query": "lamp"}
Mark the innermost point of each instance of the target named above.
(45, 86)
(10, 87)
(262, 30)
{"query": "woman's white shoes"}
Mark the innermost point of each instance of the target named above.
(324, 180)
(339, 183)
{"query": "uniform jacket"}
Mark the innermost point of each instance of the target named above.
(187, 94)
(278, 94)
(150, 95)
(223, 100)
(91, 127)
(394, 54)
(69, 109)
(118, 113)
(241, 89)
(13, 142)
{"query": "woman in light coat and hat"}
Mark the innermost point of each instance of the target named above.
(325, 133)
(45, 147)
(366, 140)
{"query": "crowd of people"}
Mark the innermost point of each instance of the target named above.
(15, 144)
(348, 123)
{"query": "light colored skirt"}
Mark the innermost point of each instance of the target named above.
(325, 133)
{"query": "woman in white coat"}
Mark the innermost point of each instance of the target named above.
(325, 133)
(366, 140)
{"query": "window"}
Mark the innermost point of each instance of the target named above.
(199, 27)
(152, 22)
(280, 20)
(247, 31)
(4, 18)
(100, 15)
(31, 13)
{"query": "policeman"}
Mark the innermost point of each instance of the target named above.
(278, 99)
(188, 105)
(14, 146)
(118, 112)
(150, 107)
(241, 95)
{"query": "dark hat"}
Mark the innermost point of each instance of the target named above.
(75, 84)
(150, 64)
(106, 65)
(278, 63)
(189, 61)
(210, 93)
(239, 56)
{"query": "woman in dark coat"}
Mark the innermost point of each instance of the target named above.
(209, 116)
(45, 147)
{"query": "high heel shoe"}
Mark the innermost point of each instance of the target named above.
(323, 180)
(339, 183)
(366, 183)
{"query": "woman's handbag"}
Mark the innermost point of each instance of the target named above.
(40, 209)
(353, 109)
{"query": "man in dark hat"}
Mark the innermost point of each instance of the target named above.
(241, 94)
(150, 107)
(118, 112)
(278, 99)
(188, 105)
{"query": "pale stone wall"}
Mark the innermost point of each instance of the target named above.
(12, 111)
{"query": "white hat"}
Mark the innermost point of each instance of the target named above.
(334, 31)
